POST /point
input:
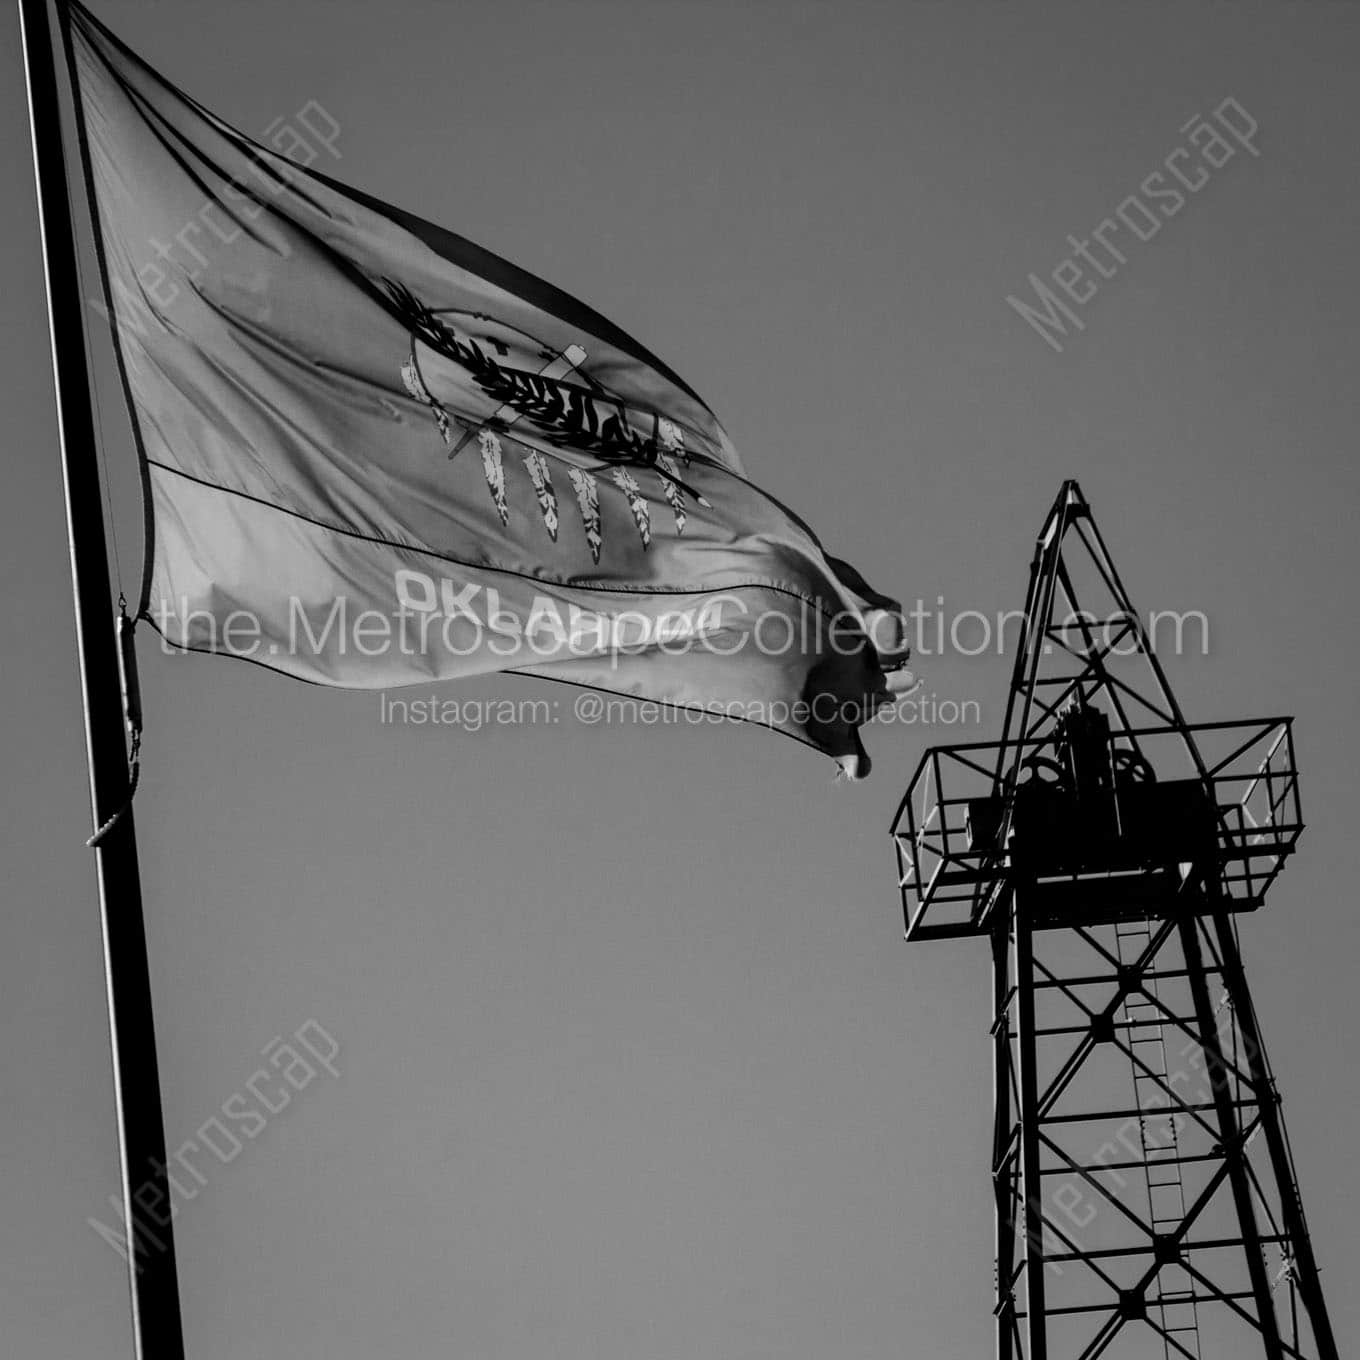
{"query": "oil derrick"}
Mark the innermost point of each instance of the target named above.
(1146, 1198)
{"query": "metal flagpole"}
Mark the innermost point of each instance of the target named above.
(149, 1236)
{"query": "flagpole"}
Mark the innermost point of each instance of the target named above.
(157, 1330)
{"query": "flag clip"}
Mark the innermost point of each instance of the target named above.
(132, 714)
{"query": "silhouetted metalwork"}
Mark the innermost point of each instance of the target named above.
(1146, 1198)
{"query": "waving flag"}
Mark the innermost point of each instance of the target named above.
(376, 454)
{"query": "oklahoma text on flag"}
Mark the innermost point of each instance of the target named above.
(344, 412)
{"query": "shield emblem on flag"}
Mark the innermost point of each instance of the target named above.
(483, 378)
(478, 372)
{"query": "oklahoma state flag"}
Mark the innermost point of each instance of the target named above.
(375, 454)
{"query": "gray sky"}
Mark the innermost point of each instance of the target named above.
(633, 1060)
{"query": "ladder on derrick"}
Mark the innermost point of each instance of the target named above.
(1159, 1138)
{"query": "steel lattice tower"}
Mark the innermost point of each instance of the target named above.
(1146, 1199)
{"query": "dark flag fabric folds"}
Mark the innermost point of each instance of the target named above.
(375, 454)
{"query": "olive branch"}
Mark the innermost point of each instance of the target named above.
(567, 415)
